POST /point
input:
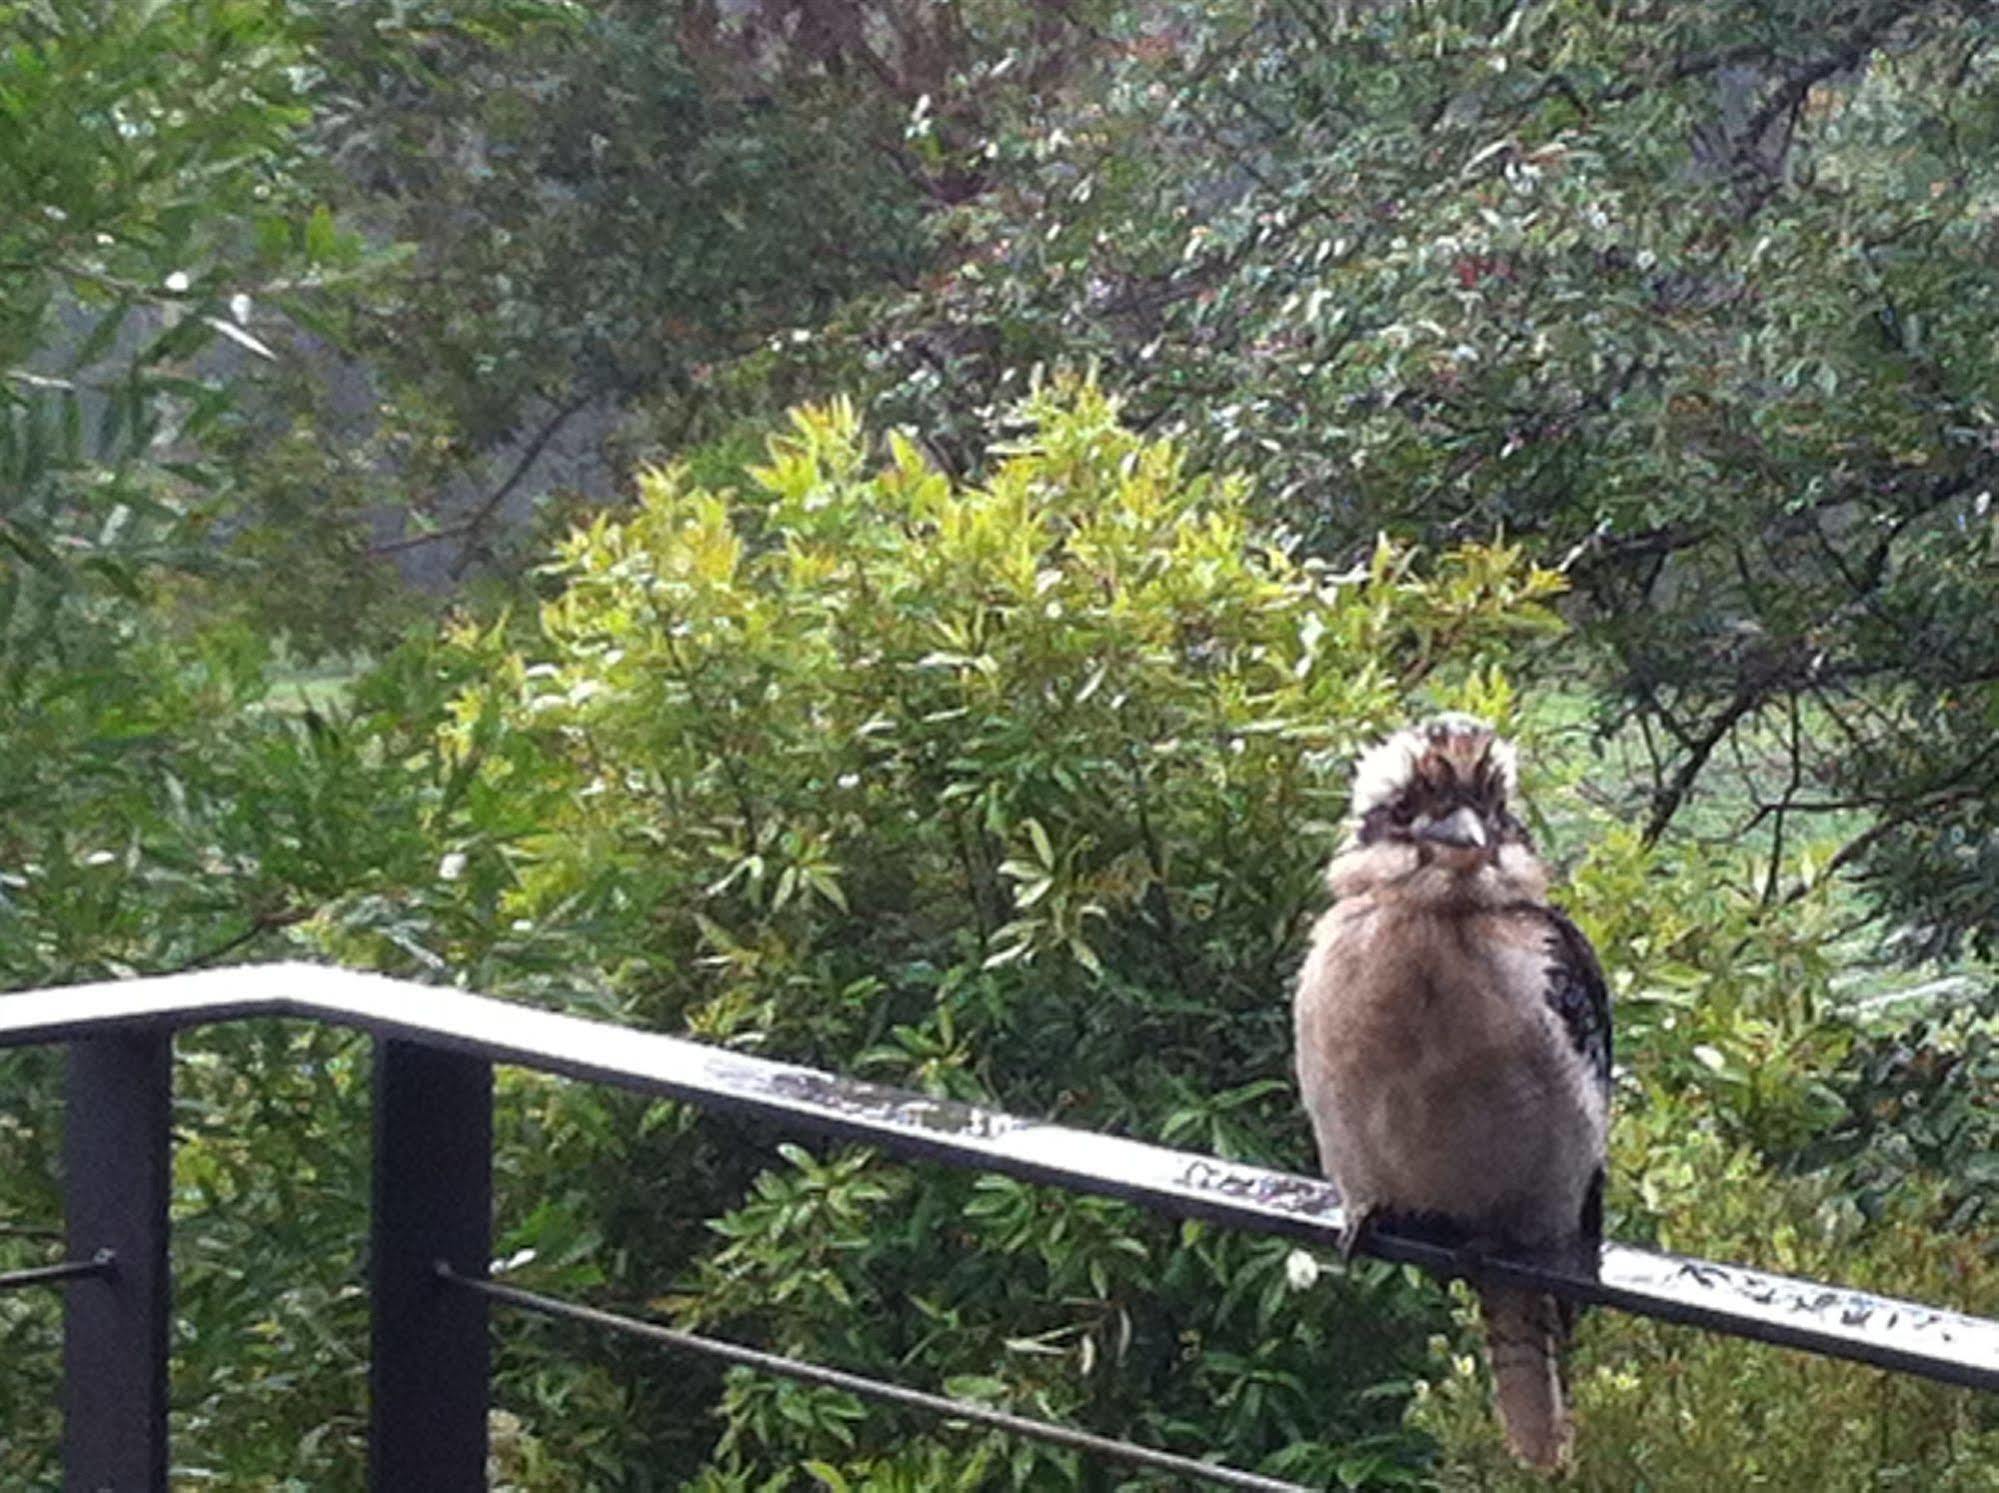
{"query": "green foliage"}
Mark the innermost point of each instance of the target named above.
(950, 784)
(151, 202)
(1666, 1407)
(1919, 1099)
(159, 815)
(270, 1221)
(604, 201)
(1000, 761)
(1079, 663)
(134, 133)
(1698, 292)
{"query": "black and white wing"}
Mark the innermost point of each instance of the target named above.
(1577, 992)
(1579, 995)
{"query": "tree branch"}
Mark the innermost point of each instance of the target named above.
(1666, 802)
(528, 457)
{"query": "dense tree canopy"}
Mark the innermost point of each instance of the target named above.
(1699, 297)
(1034, 446)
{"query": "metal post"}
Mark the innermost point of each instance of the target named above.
(433, 1201)
(116, 1182)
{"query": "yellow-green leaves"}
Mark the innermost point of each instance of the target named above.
(1014, 789)
(1045, 708)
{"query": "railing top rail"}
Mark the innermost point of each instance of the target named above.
(1834, 1320)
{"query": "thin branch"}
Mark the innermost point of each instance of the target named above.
(1789, 98)
(528, 457)
(1156, 894)
(263, 923)
(1667, 802)
(1683, 69)
(1797, 751)
(1861, 843)
(486, 508)
(37, 380)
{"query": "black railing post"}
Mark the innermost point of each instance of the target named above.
(117, 1162)
(433, 1201)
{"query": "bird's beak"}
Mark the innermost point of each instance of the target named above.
(1461, 829)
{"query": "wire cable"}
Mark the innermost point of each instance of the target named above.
(872, 1389)
(102, 1263)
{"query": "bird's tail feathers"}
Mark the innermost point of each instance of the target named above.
(1525, 1336)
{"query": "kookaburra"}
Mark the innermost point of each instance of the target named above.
(1454, 1045)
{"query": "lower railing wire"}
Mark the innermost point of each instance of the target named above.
(52, 1275)
(874, 1389)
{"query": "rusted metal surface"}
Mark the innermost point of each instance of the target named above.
(1929, 1341)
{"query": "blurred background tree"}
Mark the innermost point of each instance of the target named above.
(982, 731)
(1697, 297)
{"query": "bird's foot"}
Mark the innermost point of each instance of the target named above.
(1359, 1225)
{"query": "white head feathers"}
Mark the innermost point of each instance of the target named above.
(1461, 742)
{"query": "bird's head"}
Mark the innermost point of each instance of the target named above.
(1442, 787)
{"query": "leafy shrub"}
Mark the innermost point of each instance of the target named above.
(1016, 792)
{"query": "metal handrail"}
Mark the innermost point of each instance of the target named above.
(432, 1213)
(1841, 1322)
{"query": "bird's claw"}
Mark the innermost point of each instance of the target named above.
(1359, 1225)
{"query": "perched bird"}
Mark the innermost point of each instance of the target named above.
(1454, 1046)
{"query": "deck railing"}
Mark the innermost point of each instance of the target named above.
(431, 1225)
